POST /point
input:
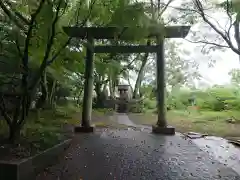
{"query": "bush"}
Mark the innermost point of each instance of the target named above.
(175, 103)
(233, 104)
(217, 98)
(103, 110)
(150, 104)
(136, 107)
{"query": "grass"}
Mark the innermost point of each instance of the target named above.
(212, 123)
(51, 127)
(39, 133)
(46, 129)
(101, 118)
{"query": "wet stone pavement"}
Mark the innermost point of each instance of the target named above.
(130, 155)
(220, 149)
(122, 118)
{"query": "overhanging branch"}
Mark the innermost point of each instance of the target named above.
(165, 8)
(206, 42)
(54, 57)
(18, 14)
(11, 16)
(200, 9)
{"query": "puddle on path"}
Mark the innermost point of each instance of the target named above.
(122, 118)
(221, 150)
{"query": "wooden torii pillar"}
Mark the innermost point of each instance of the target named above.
(125, 33)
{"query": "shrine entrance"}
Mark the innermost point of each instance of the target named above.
(122, 103)
(158, 32)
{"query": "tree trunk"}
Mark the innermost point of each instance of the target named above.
(128, 79)
(105, 88)
(14, 133)
(52, 94)
(45, 84)
(111, 88)
(42, 101)
(99, 95)
(18, 119)
(140, 76)
(105, 92)
(79, 96)
(237, 32)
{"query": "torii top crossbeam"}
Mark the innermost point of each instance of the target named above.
(126, 33)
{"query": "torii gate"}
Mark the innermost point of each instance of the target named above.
(158, 32)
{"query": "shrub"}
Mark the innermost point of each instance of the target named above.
(175, 103)
(136, 107)
(217, 98)
(150, 103)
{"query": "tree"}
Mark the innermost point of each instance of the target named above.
(180, 70)
(33, 40)
(109, 67)
(140, 76)
(155, 12)
(235, 76)
(228, 36)
(35, 33)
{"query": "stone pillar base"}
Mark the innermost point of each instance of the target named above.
(169, 130)
(83, 129)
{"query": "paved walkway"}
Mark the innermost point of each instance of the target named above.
(218, 148)
(130, 155)
(123, 118)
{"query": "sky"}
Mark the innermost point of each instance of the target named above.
(225, 60)
(218, 73)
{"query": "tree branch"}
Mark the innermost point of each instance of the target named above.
(230, 18)
(11, 16)
(165, 8)
(199, 7)
(18, 14)
(206, 42)
(52, 35)
(70, 38)
(29, 35)
(49, 62)
(18, 47)
(48, 48)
